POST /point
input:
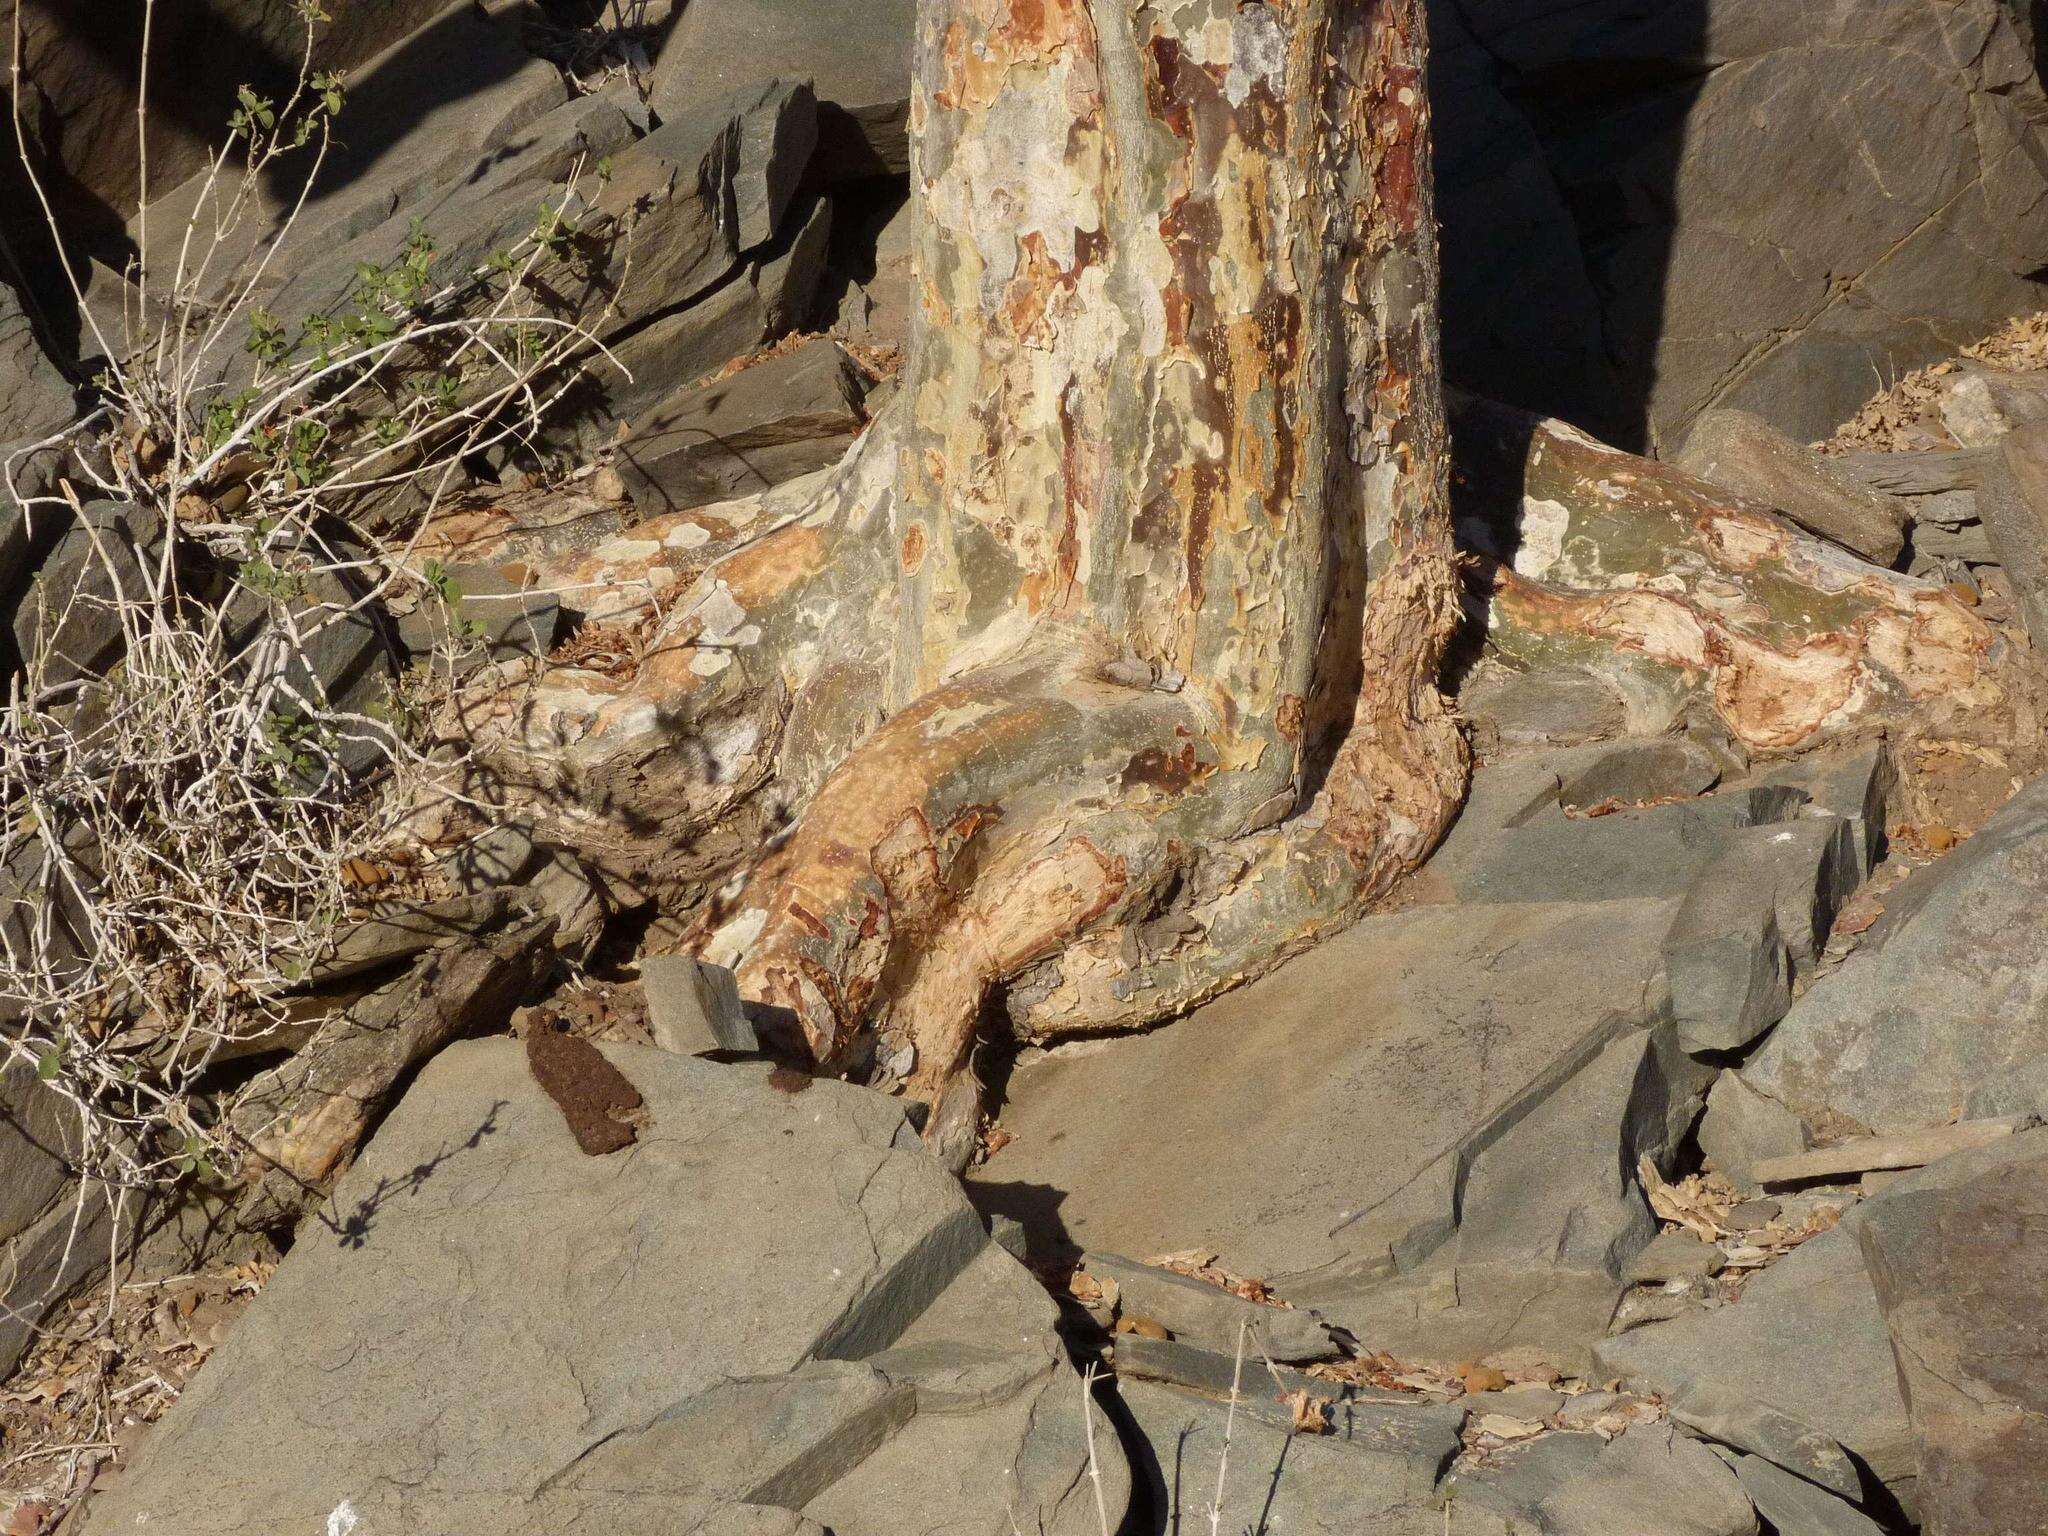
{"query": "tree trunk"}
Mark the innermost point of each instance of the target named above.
(1111, 651)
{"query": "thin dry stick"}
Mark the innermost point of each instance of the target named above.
(1094, 1464)
(1229, 1424)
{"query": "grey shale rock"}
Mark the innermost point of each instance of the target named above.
(35, 397)
(1753, 920)
(69, 609)
(1208, 1315)
(1650, 1478)
(1962, 1279)
(785, 416)
(1338, 1096)
(1514, 711)
(1514, 1481)
(1387, 1422)
(1741, 1128)
(482, 616)
(1797, 1371)
(1800, 1369)
(1947, 994)
(856, 53)
(2013, 501)
(1796, 1507)
(1637, 772)
(1740, 450)
(1730, 973)
(1628, 196)
(1549, 1216)
(496, 1335)
(421, 116)
(1281, 1481)
(554, 879)
(1524, 834)
(693, 1007)
(1676, 1255)
(42, 1259)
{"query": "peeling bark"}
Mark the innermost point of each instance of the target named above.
(1169, 525)
(1689, 599)
(1104, 669)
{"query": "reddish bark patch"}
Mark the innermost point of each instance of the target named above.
(1168, 771)
(913, 548)
(601, 1106)
(1287, 718)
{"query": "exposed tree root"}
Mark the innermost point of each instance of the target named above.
(1678, 593)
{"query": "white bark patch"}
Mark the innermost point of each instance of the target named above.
(721, 617)
(735, 937)
(1544, 524)
(1012, 180)
(688, 536)
(1258, 55)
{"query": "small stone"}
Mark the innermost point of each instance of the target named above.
(1726, 954)
(1753, 1215)
(1640, 773)
(1676, 1255)
(693, 1008)
(1008, 1234)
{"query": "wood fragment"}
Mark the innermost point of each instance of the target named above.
(1914, 1149)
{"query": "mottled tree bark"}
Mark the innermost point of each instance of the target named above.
(1103, 674)
(1168, 532)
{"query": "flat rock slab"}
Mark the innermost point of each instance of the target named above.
(1796, 1371)
(1962, 1280)
(491, 1334)
(1271, 1125)
(1317, 1485)
(1947, 996)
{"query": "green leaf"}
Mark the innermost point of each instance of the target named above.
(48, 1064)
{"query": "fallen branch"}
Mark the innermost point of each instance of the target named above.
(1914, 1149)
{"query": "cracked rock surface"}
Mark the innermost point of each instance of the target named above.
(764, 1312)
(1628, 195)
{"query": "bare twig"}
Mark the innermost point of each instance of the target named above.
(1094, 1462)
(1229, 1425)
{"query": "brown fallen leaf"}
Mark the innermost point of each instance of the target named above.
(1307, 1410)
(1482, 1378)
(362, 875)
